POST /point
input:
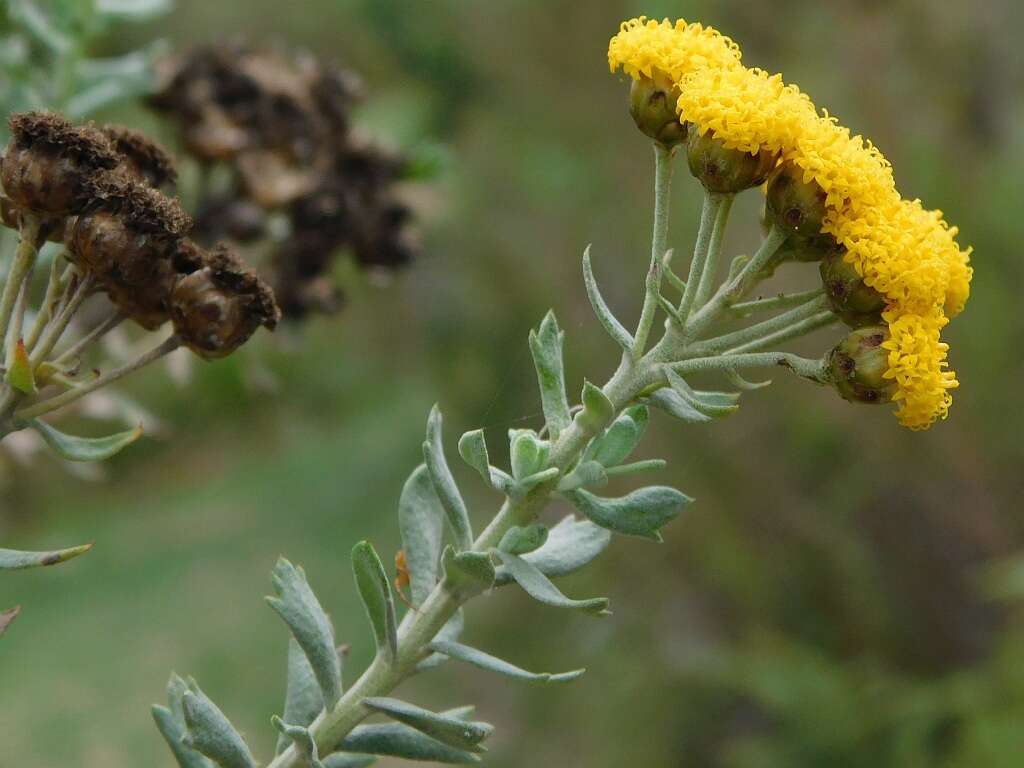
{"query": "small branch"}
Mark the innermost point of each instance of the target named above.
(113, 320)
(807, 368)
(708, 214)
(59, 401)
(802, 328)
(53, 286)
(24, 258)
(762, 329)
(659, 238)
(714, 252)
(60, 323)
(781, 301)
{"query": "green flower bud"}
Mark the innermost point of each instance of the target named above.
(652, 104)
(725, 170)
(855, 303)
(857, 366)
(793, 204)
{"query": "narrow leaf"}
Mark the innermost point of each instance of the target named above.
(546, 348)
(597, 408)
(75, 448)
(519, 540)
(450, 632)
(483, 660)
(444, 483)
(713, 404)
(19, 375)
(375, 590)
(12, 559)
(620, 439)
(571, 545)
(640, 513)
(743, 383)
(211, 733)
(7, 617)
(301, 610)
(303, 740)
(536, 479)
(537, 586)
(303, 698)
(397, 740)
(586, 473)
(611, 324)
(173, 732)
(421, 522)
(452, 731)
(467, 573)
(674, 405)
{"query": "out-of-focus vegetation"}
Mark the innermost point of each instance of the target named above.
(829, 599)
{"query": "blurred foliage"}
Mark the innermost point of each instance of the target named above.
(822, 605)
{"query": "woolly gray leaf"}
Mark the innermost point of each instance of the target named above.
(211, 733)
(397, 740)
(13, 559)
(669, 401)
(597, 411)
(444, 483)
(522, 539)
(421, 522)
(483, 660)
(620, 439)
(571, 545)
(302, 739)
(303, 700)
(309, 625)
(452, 731)
(546, 348)
(640, 513)
(375, 591)
(537, 586)
(467, 573)
(75, 448)
(529, 454)
(611, 324)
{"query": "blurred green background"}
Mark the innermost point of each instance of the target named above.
(841, 594)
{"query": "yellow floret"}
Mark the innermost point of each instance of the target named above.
(917, 361)
(645, 48)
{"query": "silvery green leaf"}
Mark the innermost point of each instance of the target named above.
(467, 573)
(531, 481)
(375, 590)
(597, 408)
(132, 10)
(13, 560)
(303, 740)
(444, 483)
(211, 733)
(537, 586)
(636, 467)
(7, 617)
(473, 450)
(172, 728)
(586, 473)
(674, 405)
(493, 664)
(27, 16)
(309, 625)
(452, 731)
(397, 740)
(303, 700)
(522, 539)
(339, 760)
(604, 314)
(742, 383)
(712, 404)
(620, 439)
(421, 522)
(571, 545)
(450, 632)
(546, 348)
(75, 448)
(529, 453)
(640, 513)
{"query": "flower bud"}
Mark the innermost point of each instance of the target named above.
(127, 231)
(146, 304)
(795, 205)
(49, 163)
(857, 366)
(725, 170)
(652, 104)
(141, 158)
(216, 308)
(856, 303)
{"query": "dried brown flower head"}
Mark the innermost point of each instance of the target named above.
(49, 163)
(142, 157)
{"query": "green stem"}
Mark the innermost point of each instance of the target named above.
(24, 258)
(796, 330)
(53, 286)
(659, 240)
(761, 330)
(781, 301)
(708, 214)
(56, 329)
(714, 252)
(802, 366)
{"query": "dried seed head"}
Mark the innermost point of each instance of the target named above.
(141, 157)
(216, 308)
(148, 303)
(127, 230)
(49, 163)
(858, 364)
(230, 217)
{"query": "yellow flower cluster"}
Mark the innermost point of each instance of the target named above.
(904, 251)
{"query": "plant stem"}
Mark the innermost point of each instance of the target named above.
(53, 286)
(714, 252)
(708, 214)
(24, 258)
(781, 301)
(113, 320)
(802, 328)
(802, 366)
(59, 401)
(56, 329)
(761, 330)
(659, 240)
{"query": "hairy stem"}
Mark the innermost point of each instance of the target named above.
(659, 240)
(714, 255)
(708, 215)
(24, 258)
(761, 330)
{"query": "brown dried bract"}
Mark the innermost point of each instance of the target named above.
(142, 157)
(47, 129)
(143, 208)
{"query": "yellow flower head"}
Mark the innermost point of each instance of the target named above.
(648, 48)
(746, 109)
(917, 361)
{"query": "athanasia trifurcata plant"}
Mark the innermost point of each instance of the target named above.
(830, 198)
